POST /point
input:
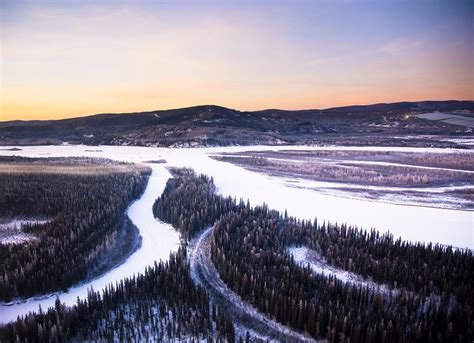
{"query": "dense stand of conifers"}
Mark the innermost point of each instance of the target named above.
(189, 203)
(163, 304)
(433, 298)
(87, 214)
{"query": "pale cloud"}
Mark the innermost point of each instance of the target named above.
(400, 46)
(318, 61)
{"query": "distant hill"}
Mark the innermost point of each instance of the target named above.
(214, 125)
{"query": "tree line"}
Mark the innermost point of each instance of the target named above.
(346, 171)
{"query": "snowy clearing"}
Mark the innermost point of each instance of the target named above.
(19, 223)
(11, 231)
(305, 256)
(17, 238)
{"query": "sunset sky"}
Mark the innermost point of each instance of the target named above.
(69, 58)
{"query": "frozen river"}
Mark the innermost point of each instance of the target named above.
(413, 223)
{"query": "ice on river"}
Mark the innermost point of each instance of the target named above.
(412, 223)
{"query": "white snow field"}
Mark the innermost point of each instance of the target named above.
(412, 223)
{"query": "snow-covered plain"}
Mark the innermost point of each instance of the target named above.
(412, 223)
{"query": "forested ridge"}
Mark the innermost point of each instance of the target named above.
(434, 296)
(87, 213)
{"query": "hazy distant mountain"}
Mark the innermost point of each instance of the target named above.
(214, 125)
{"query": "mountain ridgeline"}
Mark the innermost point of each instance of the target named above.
(380, 124)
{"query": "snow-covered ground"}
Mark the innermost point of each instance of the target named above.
(412, 223)
(446, 196)
(10, 231)
(304, 256)
(403, 165)
(158, 241)
(323, 184)
(17, 224)
(439, 197)
(465, 141)
(17, 238)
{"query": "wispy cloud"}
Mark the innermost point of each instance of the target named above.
(400, 46)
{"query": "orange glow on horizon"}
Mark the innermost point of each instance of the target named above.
(35, 109)
(62, 61)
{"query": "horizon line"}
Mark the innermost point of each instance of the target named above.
(234, 109)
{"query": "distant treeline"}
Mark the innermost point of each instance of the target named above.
(87, 214)
(348, 172)
(434, 296)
